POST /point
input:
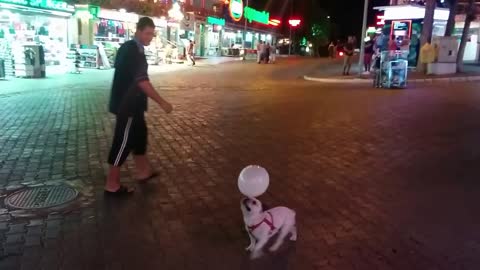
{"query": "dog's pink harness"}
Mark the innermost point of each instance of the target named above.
(266, 221)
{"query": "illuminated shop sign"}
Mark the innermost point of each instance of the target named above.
(43, 4)
(256, 16)
(235, 9)
(215, 21)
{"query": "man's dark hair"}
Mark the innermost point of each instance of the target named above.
(145, 22)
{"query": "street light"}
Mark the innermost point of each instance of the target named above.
(293, 23)
(245, 36)
(362, 40)
(175, 12)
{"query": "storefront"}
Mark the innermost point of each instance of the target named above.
(472, 47)
(115, 27)
(227, 36)
(36, 28)
(404, 24)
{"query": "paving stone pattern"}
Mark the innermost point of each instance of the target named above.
(379, 179)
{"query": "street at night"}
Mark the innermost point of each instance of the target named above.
(379, 178)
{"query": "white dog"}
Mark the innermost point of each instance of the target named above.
(261, 225)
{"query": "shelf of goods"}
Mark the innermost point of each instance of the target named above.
(23, 66)
(110, 46)
(73, 61)
(54, 51)
(111, 54)
(152, 55)
(7, 56)
(88, 58)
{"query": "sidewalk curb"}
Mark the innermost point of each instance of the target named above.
(429, 80)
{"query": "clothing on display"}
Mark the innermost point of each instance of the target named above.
(26, 28)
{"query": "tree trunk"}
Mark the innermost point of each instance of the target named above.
(466, 29)
(427, 27)
(451, 18)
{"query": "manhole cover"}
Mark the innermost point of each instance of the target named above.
(41, 197)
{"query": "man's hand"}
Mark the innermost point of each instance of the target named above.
(148, 89)
(167, 107)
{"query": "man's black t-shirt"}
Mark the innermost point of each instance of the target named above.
(130, 68)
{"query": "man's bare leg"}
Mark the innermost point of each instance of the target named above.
(113, 179)
(144, 170)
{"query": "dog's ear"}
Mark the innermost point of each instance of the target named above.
(245, 203)
(264, 206)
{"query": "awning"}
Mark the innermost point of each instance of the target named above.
(411, 12)
(14, 7)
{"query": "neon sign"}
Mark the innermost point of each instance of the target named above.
(43, 4)
(235, 9)
(380, 20)
(257, 16)
(274, 22)
(216, 21)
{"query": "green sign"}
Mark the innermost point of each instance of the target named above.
(43, 4)
(94, 10)
(215, 20)
(16, 2)
(256, 16)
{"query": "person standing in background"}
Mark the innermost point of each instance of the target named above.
(368, 55)
(331, 50)
(267, 53)
(191, 52)
(259, 51)
(273, 52)
(347, 58)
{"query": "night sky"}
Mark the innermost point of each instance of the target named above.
(345, 14)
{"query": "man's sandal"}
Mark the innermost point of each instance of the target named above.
(121, 191)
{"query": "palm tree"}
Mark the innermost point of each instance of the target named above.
(427, 28)
(470, 16)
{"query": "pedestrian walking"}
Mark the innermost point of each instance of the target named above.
(347, 58)
(331, 50)
(267, 53)
(128, 102)
(259, 51)
(191, 52)
(273, 53)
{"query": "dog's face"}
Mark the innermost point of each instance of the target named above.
(250, 206)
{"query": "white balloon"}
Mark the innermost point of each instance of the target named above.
(253, 181)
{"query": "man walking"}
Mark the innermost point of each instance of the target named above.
(130, 89)
(259, 51)
(191, 50)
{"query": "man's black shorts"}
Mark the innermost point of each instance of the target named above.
(130, 135)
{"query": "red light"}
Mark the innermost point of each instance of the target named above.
(340, 53)
(294, 23)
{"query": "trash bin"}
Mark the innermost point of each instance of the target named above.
(394, 69)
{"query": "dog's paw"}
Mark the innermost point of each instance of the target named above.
(249, 248)
(255, 255)
(274, 248)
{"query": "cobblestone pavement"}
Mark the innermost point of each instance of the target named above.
(379, 179)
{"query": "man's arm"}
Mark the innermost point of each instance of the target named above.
(148, 89)
(143, 82)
